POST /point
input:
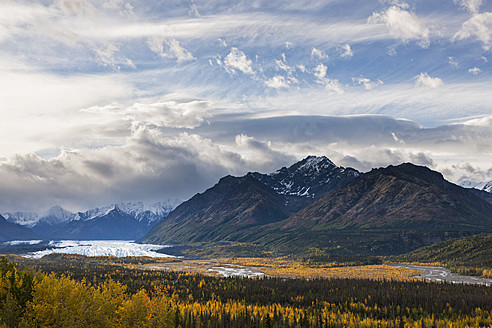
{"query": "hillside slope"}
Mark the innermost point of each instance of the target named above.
(401, 197)
(221, 213)
(12, 231)
(475, 251)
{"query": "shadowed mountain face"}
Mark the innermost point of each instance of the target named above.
(404, 196)
(115, 224)
(8, 229)
(118, 221)
(386, 211)
(221, 213)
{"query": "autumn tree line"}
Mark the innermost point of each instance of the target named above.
(81, 295)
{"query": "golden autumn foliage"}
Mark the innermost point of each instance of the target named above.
(281, 267)
(188, 300)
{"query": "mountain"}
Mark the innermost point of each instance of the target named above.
(306, 180)
(28, 219)
(404, 196)
(135, 219)
(12, 231)
(468, 251)
(221, 213)
(386, 211)
(127, 221)
(113, 224)
(483, 186)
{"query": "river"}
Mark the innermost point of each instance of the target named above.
(442, 274)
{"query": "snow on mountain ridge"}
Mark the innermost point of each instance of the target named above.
(315, 163)
(484, 186)
(311, 177)
(55, 215)
(27, 219)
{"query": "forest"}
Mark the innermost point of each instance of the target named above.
(101, 293)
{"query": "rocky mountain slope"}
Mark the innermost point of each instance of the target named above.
(386, 211)
(404, 196)
(222, 212)
(9, 230)
(306, 180)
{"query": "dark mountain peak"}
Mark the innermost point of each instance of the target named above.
(312, 177)
(402, 196)
(414, 173)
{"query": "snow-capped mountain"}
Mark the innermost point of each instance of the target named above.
(312, 177)
(142, 212)
(28, 219)
(116, 221)
(54, 215)
(484, 186)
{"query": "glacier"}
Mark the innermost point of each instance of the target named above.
(118, 248)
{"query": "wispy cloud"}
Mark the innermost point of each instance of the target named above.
(424, 80)
(402, 24)
(169, 47)
(345, 51)
(474, 70)
(479, 27)
(367, 83)
(237, 60)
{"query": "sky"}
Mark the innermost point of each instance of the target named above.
(106, 101)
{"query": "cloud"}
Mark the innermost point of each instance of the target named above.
(480, 27)
(367, 83)
(169, 48)
(474, 70)
(77, 7)
(453, 62)
(319, 54)
(424, 80)
(345, 50)
(39, 105)
(172, 111)
(277, 82)
(260, 153)
(402, 24)
(330, 84)
(472, 5)
(237, 59)
(189, 114)
(149, 166)
(320, 72)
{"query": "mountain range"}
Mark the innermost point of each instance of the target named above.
(313, 205)
(484, 186)
(385, 211)
(117, 221)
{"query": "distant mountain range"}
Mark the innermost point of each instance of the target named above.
(10, 231)
(311, 206)
(117, 221)
(484, 186)
(386, 211)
